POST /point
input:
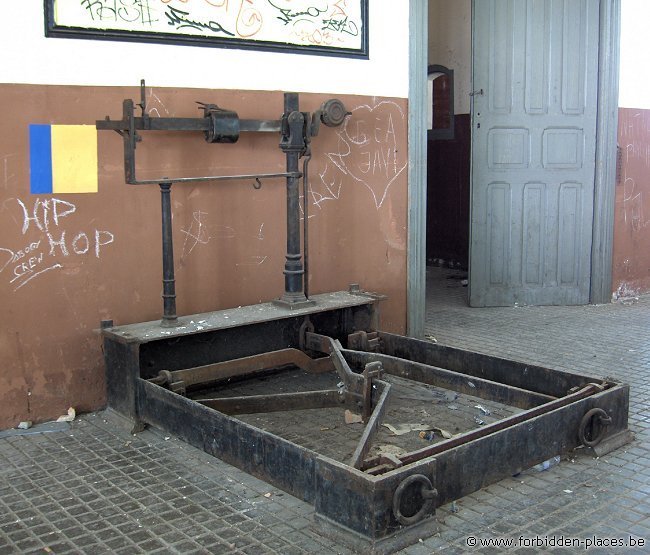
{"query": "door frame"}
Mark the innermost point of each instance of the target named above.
(605, 178)
(416, 263)
(602, 244)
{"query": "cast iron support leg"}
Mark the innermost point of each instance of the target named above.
(293, 270)
(169, 284)
(293, 145)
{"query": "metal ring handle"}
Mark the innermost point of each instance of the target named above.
(427, 491)
(604, 419)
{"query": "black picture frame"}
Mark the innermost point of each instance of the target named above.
(55, 30)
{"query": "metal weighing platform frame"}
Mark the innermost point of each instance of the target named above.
(378, 504)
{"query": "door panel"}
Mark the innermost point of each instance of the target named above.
(533, 151)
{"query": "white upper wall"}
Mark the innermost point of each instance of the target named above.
(634, 84)
(29, 57)
(450, 45)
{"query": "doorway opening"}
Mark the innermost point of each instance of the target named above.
(448, 151)
(520, 194)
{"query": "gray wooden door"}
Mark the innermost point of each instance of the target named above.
(535, 72)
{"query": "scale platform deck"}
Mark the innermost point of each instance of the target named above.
(413, 409)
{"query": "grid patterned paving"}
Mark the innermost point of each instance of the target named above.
(582, 497)
(98, 489)
(95, 488)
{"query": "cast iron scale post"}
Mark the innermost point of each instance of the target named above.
(293, 144)
(169, 283)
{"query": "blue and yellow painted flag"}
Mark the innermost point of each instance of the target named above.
(62, 158)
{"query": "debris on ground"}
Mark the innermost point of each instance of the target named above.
(626, 295)
(401, 429)
(547, 464)
(444, 433)
(68, 417)
(24, 425)
(430, 435)
(390, 450)
(485, 411)
(352, 418)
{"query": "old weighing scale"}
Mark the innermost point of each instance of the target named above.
(211, 379)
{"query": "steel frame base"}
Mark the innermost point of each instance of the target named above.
(388, 544)
(377, 506)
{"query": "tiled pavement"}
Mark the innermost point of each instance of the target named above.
(94, 488)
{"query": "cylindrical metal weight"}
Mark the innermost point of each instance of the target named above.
(333, 112)
(224, 125)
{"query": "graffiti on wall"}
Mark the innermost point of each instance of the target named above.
(280, 24)
(369, 154)
(47, 238)
(635, 165)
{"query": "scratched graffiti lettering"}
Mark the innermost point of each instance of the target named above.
(47, 240)
(636, 153)
(197, 234)
(8, 174)
(368, 152)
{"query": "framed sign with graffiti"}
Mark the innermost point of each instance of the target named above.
(329, 27)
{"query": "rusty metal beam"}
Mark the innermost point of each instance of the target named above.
(448, 379)
(325, 344)
(252, 404)
(498, 426)
(372, 427)
(251, 365)
(508, 372)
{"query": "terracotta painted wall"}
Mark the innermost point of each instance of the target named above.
(229, 238)
(631, 265)
(631, 259)
(98, 256)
